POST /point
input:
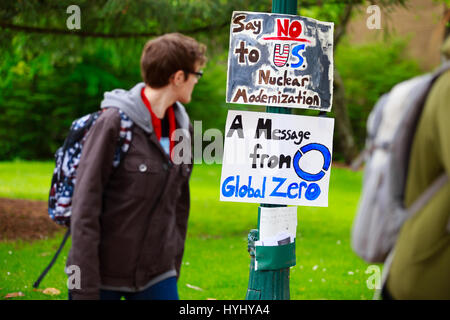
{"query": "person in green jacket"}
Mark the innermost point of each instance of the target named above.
(421, 265)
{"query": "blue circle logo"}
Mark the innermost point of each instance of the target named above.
(326, 161)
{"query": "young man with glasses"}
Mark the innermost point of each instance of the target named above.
(129, 223)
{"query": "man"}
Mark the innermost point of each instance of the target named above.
(129, 223)
(421, 264)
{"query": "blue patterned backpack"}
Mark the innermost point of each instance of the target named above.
(67, 158)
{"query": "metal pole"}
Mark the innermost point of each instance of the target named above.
(270, 284)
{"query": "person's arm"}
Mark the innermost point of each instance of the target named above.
(92, 175)
(182, 213)
(182, 209)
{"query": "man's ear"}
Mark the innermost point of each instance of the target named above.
(178, 78)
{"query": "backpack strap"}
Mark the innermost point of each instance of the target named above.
(420, 202)
(78, 131)
(384, 275)
(125, 136)
(61, 246)
(417, 98)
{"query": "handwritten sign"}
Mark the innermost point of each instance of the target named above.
(276, 222)
(280, 60)
(276, 159)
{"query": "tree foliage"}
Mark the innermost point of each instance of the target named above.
(368, 71)
(50, 75)
(49, 78)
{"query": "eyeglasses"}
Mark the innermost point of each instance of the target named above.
(197, 74)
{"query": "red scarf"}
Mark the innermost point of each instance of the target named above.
(156, 122)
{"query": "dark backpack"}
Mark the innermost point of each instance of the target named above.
(67, 158)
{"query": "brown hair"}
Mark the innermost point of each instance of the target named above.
(165, 55)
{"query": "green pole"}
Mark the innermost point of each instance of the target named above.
(270, 284)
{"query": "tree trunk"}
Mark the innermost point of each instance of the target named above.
(343, 126)
(447, 23)
(346, 141)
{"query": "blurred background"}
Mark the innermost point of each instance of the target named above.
(50, 75)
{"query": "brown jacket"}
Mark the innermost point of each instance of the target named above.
(128, 223)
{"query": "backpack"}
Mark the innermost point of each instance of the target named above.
(390, 131)
(67, 159)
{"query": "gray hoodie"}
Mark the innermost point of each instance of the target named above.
(130, 102)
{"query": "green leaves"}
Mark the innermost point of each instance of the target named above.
(368, 71)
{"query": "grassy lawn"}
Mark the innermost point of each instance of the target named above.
(216, 262)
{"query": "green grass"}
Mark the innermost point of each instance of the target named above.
(216, 258)
(25, 180)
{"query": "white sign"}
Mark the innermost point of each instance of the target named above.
(276, 159)
(280, 60)
(277, 224)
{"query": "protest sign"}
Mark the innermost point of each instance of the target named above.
(276, 159)
(280, 60)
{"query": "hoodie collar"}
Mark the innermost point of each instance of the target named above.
(130, 102)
